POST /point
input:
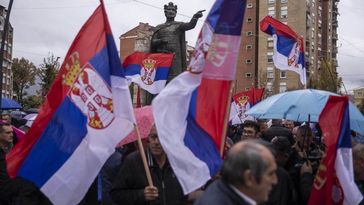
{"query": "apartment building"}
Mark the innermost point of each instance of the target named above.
(7, 88)
(316, 21)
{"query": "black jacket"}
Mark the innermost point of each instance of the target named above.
(128, 187)
(220, 193)
(283, 193)
(18, 191)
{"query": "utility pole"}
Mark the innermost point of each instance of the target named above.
(3, 39)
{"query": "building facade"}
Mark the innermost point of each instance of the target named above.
(7, 84)
(358, 96)
(316, 21)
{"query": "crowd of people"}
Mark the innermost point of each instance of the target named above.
(271, 163)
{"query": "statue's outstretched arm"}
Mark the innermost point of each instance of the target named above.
(190, 25)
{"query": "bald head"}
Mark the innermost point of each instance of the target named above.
(245, 155)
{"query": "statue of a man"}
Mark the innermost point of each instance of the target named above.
(169, 37)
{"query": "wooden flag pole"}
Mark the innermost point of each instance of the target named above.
(142, 154)
(226, 118)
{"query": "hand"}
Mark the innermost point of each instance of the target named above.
(150, 193)
(306, 168)
(198, 14)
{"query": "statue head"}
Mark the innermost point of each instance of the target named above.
(170, 10)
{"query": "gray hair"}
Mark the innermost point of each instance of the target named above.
(248, 157)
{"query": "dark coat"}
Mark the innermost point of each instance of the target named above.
(276, 130)
(128, 187)
(283, 193)
(18, 191)
(220, 193)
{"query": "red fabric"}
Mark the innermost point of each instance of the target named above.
(326, 180)
(211, 108)
(253, 95)
(91, 31)
(162, 59)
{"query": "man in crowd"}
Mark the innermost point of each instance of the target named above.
(250, 130)
(248, 174)
(131, 187)
(15, 191)
(6, 137)
(277, 130)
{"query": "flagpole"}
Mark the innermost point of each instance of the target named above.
(142, 154)
(227, 113)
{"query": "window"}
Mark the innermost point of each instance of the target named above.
(248, 47)
(248, 61)
(249, 20)
(271, 1)
(270, 57)
(249, 6)
(249, 33)
(248, 75)
(283, 74)
(270, 73)
(269, 86)
(282, 87)
(271, 11)
(247, 88)
(284, 14)
(284, 1)
(270, 44)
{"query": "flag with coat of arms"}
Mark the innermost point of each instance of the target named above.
(148, 70)
(87, 111)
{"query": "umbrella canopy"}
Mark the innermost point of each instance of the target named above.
(299, 104)
(7, 104)
(145, 121)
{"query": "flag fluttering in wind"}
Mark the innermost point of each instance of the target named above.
(189, 112)
(289, 52)
(87, 111)
(148, 70)
(334, 182)
(242, 102)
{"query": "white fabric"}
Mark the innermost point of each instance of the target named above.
(154, 88)
(171, 124)
(70, 183)
(281, 62)
(344, 171)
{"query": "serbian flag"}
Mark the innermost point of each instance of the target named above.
(148, 70)
(289, 52)
(189, 112)
(242, 102)
(334, 182)
(87, 111)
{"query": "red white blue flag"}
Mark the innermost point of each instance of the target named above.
(87, 111)
(242, 102)
(148, 70)
(334, 182)
(189, 112)
(289, 52)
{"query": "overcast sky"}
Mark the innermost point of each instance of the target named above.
(43, 26)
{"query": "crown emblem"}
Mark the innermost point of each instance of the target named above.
(149, 63)
(72, 70)
(242, 100)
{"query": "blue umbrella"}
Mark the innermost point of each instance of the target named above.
(7, 104)
(299, 104)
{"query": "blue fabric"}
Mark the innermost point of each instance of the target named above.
(224, 15)
(56, 144)
(7, 104)
(202, 146)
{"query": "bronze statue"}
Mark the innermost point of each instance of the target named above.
(169, 37)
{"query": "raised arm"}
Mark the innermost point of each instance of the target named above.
(190, 25)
